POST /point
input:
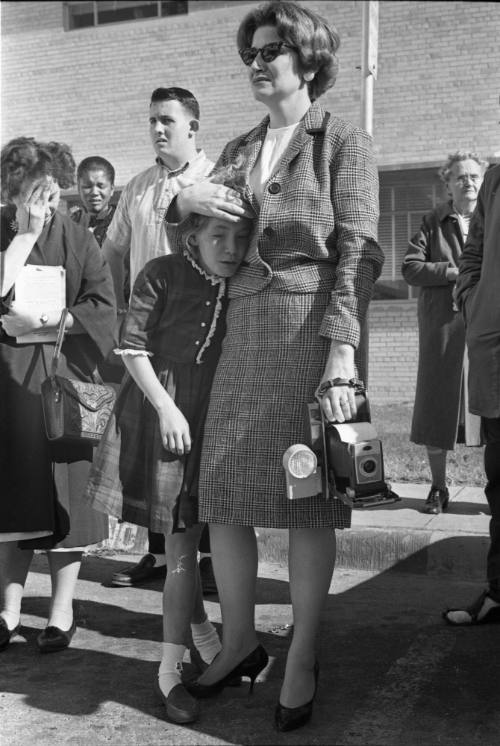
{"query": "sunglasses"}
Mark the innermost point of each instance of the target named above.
(268, 52)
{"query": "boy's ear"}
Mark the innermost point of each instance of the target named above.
(194, 126)
(192, 241)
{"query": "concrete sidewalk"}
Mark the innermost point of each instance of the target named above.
(385, 536)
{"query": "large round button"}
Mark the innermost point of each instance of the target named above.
(274, 188)
(268, 232)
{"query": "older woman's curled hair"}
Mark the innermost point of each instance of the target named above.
(314, 41)
(460, 155)
(26, 159)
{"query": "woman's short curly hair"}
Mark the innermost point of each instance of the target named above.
(26, 159)
(461, 155)
(235, 176)
(314, 40)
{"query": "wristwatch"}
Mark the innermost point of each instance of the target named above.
(44, 319)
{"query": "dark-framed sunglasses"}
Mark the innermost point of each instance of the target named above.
(268, 52)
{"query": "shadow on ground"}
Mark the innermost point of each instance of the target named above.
(391, 671)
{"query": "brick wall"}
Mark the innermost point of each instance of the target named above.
(393, 351)
(437, 90)
(437, 87)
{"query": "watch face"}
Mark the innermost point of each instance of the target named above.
(44, 318)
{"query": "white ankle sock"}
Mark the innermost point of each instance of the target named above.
(11, 618)
(60, 617)
(169, 673)
(206, 640)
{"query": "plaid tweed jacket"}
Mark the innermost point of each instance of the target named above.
(317, 224)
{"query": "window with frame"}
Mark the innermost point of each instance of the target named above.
(405, 197)
(79, 15)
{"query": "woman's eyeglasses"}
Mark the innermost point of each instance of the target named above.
(268, 52)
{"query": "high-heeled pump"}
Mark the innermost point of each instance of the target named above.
(251, 666)
(291, 718)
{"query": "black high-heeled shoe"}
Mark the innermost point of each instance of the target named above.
(251, 666)
(291, 718)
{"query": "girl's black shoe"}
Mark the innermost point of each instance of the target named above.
(251, 666)
(7, 634)
(291, 718)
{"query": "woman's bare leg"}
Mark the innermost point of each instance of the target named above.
(234, 557)
(64, 570)
(14, 568)
(311, 560)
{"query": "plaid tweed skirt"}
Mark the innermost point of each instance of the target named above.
(133, 476)
(272, 361)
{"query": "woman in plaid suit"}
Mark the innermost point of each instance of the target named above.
(296, 309)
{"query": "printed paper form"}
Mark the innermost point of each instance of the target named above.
(43, 290)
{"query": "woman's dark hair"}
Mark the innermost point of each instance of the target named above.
(93, 163)
(314, 40)
(26, 159)
(182, 95)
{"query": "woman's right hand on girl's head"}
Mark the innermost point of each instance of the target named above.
(214, 200)
(174, 429)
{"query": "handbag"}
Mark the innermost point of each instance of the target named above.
(74, 410)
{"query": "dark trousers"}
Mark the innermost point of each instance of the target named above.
(157, 542)
(491, 434)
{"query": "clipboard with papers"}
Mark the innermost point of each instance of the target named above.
(41, 288)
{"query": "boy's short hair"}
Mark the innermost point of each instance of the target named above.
(182, 95)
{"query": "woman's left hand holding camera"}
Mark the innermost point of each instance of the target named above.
(338, 401)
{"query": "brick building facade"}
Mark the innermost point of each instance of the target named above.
(437, 91)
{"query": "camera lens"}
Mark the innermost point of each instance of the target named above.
(369, 466)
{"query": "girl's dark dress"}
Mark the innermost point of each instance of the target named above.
(43, 482)
(177, 316)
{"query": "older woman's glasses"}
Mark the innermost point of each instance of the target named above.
(268, 52)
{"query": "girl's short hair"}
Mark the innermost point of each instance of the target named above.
(24, 158)
(93, 163)
(461, 155)
(314, 40)
(234, 176)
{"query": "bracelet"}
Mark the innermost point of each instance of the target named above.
(352, 383)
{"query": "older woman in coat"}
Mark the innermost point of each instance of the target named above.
(295, 313)
(440, 416)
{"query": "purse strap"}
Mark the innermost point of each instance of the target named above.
(59, 341)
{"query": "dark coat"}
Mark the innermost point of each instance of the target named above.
(478, 296)
(42, 482)
(439, 396)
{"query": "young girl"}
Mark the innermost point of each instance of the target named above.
(146, 467)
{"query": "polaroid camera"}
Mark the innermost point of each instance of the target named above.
(339, 460)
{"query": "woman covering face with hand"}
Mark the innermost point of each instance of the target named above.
(296, 308)
(42, 481)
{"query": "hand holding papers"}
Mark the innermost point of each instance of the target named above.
(40, 289)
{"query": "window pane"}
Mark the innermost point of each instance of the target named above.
(173, 7)
(80, 15)
(112, 11)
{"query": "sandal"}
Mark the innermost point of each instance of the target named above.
(485, 610)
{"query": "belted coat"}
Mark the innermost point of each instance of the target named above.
(440, 392)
